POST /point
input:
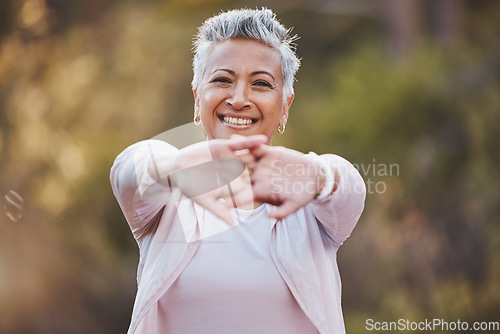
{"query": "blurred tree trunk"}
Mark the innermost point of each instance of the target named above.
(449, 18)
(404, 23)
(402, 20)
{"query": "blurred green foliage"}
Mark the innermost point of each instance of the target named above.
(79, 81)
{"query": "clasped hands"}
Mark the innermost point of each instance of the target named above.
(244, 172)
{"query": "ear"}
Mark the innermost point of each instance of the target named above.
(286, 107)
(196, 99)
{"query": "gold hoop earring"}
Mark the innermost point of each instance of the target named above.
(197, 120)
(281, 129)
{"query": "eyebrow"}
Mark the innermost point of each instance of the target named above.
(262, 72)
(251, 74)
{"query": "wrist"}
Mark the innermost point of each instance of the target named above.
(325, 177)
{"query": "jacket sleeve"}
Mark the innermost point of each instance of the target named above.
(138, 184)
(339, 212)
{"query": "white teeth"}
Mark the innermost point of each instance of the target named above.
(238, 121)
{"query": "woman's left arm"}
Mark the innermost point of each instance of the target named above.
(339, 212)
(290, 180)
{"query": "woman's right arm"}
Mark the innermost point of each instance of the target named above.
(138, 178)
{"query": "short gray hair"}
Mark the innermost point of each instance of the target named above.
(255, 24)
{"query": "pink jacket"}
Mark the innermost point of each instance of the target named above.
(164, 223)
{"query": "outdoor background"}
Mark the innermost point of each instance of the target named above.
(411, 84)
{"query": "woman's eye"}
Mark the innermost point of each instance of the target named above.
(222, 80)
(263, 83)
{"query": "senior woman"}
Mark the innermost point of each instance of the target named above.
(246, 241)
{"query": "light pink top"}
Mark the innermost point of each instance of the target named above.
(232, 286)
(170, 230)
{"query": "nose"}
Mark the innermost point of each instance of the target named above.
(239, 97)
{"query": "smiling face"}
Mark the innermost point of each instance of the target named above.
(241, 91)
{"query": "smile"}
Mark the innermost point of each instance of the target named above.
(237, 120)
